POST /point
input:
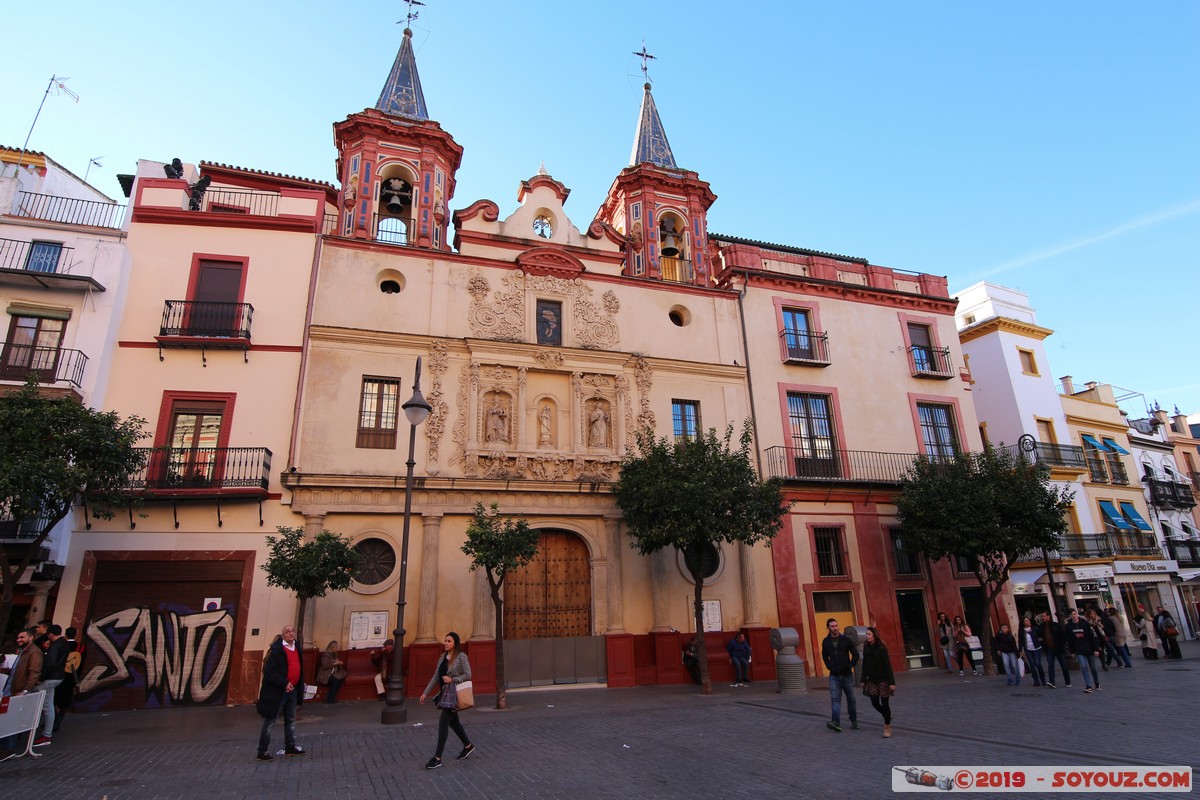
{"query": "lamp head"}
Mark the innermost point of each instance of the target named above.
(417, 408)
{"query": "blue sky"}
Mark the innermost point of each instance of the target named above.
(1049, 146)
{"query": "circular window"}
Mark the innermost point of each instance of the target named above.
(707, 560)
(378, 565)
(679, 316)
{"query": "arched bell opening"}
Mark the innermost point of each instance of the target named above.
(394, 218)
(676, 264)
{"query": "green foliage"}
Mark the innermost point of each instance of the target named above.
(993, 506)
(310, 569)
(498, 546)
(691, 495)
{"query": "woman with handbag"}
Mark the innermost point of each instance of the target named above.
(1149, 638)
(961, 631)
(1169, 632)
(945, 634)
(453, 669)
(331, 673)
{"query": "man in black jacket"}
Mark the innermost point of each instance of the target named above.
(281, 690)
(840, 656)
(53, 671)
(1083, 645)
(1054, 645)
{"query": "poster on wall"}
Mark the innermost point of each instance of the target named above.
(712, 616)
(368, 629)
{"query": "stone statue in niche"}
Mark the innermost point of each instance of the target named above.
(497, 423)
(598, 426)
(544, 422)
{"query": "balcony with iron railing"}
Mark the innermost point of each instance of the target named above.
(850, 466)
(1170, 494)
(33, 256)
(69, 210)
(806, 347)
(1056, 456)
(930, 362)
(198, 323)
(49, 364)
(1102, 546)
(1144, 545)
(676, 270)
(202, 473)
(1187, 553)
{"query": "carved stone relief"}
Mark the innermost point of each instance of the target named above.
(439, 361)
(502, 317)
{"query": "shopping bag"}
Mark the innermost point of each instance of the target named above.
(448, 697)
(466, 696)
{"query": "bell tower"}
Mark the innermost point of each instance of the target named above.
(397, 166)
(662, 209)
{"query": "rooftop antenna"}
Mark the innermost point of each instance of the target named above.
(93, 161)
(411, 17)
(646, 58)
(59, 86)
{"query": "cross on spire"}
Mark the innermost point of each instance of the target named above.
(412, 15)
(646, 58)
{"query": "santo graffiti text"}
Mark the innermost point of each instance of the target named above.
(185, 657)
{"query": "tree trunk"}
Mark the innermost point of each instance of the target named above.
(501, 689)
(701, 647)
(988, 606)
(300, 633)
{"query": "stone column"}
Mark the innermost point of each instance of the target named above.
(658, 584)
(41, 596)
(749, 596)
(431, 526)
(485, 611)
(313, 524)
(616, 547)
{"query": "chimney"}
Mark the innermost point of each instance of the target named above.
(1067, 386)
(1179, 424)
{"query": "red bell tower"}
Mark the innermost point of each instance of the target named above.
(661, 208)
(396, 165)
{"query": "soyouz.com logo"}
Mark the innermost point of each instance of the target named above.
(1116, 779)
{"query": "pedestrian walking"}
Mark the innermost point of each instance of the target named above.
(945, 634)
(54, 671)
(1054, 646)
(1030, 643)
(1005, 644)
(281, 690)
(24, 676)
(1168, 632)
(331, 672)
(840, 656)
(1092, 617)
(878, 680)
(739, 655)
(452, 668)
(1114, 628)
(1081, 639)
(962, 646)
(64, 695)
(1146, 634)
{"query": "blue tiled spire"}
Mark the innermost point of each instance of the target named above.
(402, 94)
(650, 144)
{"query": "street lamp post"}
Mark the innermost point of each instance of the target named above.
(416, 410)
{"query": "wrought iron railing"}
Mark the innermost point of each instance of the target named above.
(50, 364)
(860, 466)
(22, 530)
(1186, 553)
(930, 362)
(241, 201)
(806, 347)
(329, 224)
(1136, 544)
(1170, 494)
(1059, 455)
(676, 270)
(1117, 471)
(195, 469)
(1086, 545)
(1097, 467)
(33, 256)
(69, 210)
(394, 230)
(202, 318)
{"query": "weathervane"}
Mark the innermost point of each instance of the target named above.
(412, 15)
(646, 58)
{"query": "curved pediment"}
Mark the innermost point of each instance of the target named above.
(550, 261)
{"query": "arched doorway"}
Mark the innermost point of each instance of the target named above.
(548, 617)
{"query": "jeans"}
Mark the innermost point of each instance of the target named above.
(741, 669)
(1012, 670)
(48, 705)
(1034, 659)
(949, 655)
(1088, 662)
(837, 685)
(289, 723)
(331, 693)
(449, 719)
(1122, 656)
(1051, 656)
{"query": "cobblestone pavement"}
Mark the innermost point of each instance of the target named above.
(651, 742)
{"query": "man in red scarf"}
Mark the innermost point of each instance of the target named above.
(281, 691)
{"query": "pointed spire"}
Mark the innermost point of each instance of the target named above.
(650, 144)
(402, 94)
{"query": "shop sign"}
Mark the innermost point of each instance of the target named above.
(1091, 573)
(1143, 567)
(1092, 587)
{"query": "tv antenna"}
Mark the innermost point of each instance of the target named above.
(94, 161)
(59, 86)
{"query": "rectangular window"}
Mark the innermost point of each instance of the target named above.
(907, 564)
(831, 556)
(685, 419)
(1028, 364)
(1094, 453)
(922, 347)
(1045, 431)
(813, 441)
(377, 413)
(44, 256)
(32, 346)
(801, 342)
(964, 566)
(938, 431)
(549, 322)
(214, 307)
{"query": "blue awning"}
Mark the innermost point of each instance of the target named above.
(1094, 442)
(1133, 516)
(1116, 448)
(1114, 516)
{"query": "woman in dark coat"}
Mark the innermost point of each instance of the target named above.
(878, 680)
(452, 667)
